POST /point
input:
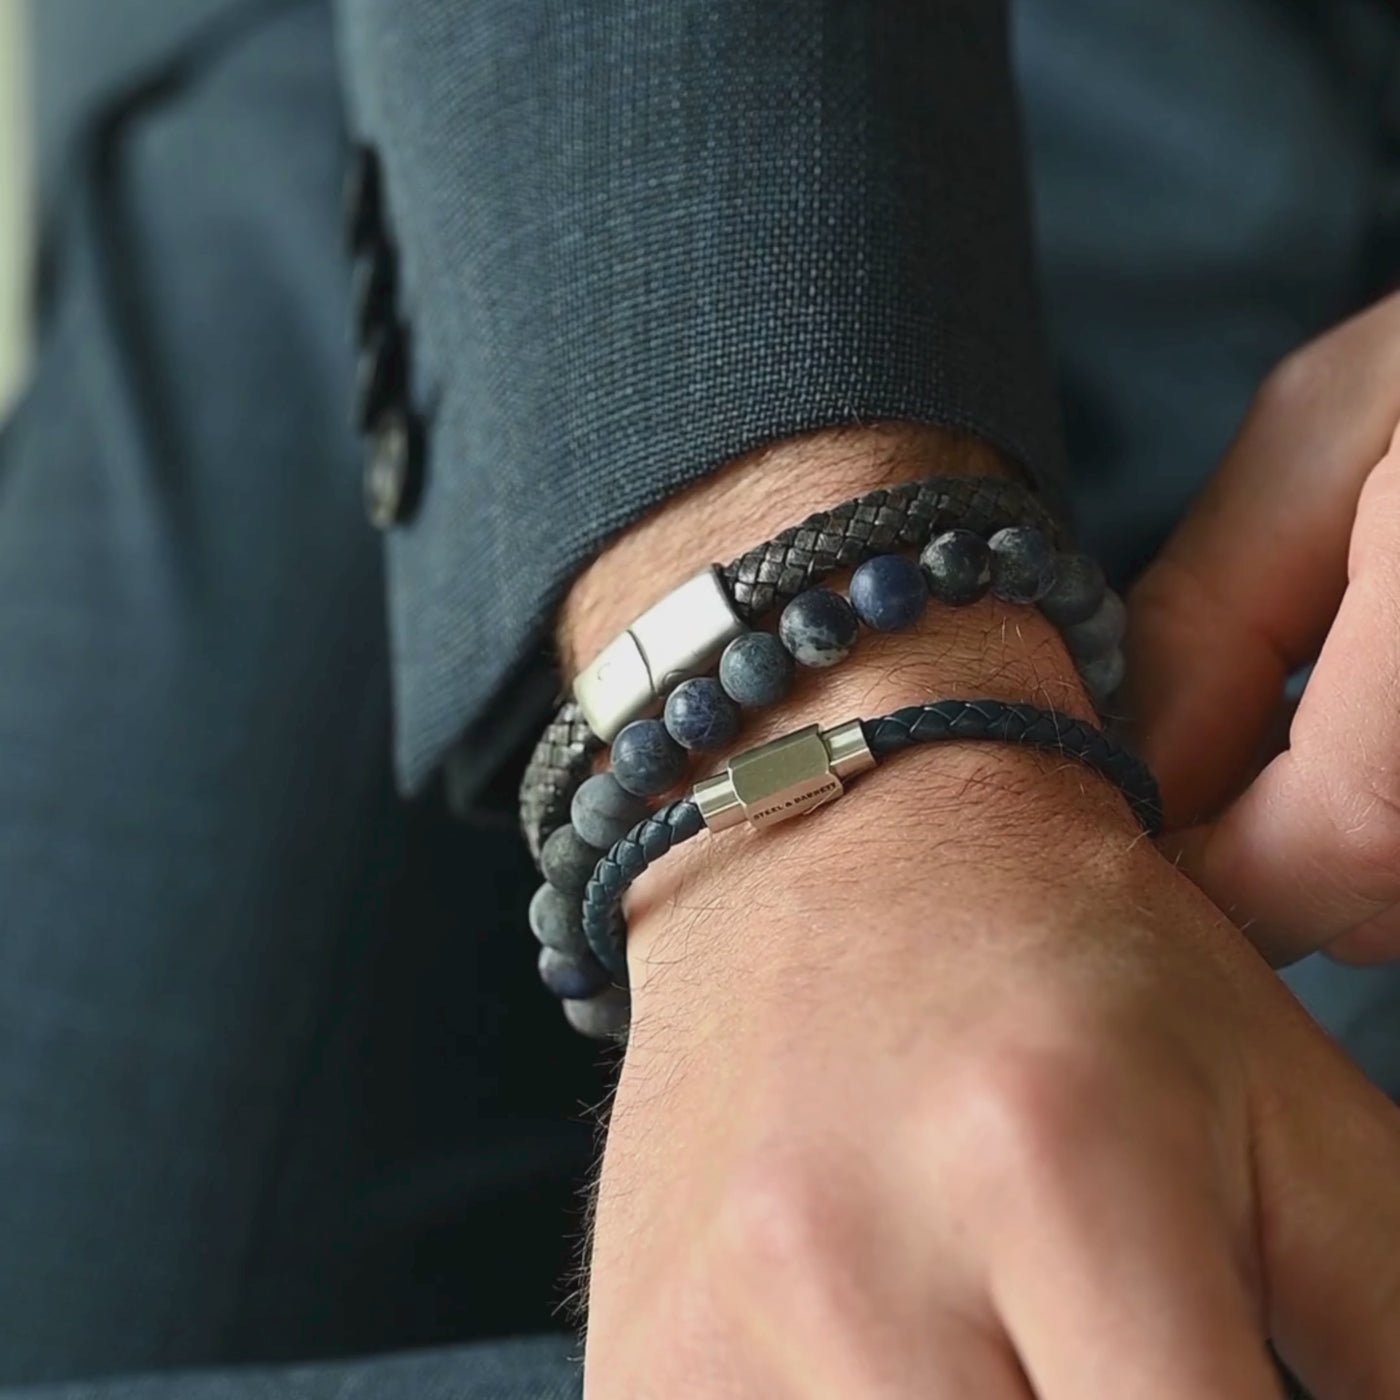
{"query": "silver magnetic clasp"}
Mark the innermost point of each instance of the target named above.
(785, 778)
(677, 638)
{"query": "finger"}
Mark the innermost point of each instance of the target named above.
(1243, 592)
(872, 1327)
(965, 1360)
(947, 1359)
(1311, 849)
(1375, 941)
(1130, 1274)
(1330, 1227)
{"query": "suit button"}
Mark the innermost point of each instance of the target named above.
(393, 470)
(363, 207)
(380, 375)
(372, 290)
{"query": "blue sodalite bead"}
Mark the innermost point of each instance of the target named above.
(819, 628)
(602, 812)
(1087, 641)
(700, 716)
(1077, 591)
(755, 670)
(1023, 565)
(1103, 675)
(567, 860)
(646, 760)
(556, 920)
(602, 1016)
(571, 978)
(958, 567)
(888, 592)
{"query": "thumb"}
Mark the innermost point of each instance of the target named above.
(1244, 591)
(1311, 850)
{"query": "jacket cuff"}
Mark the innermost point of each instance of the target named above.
(640, 238)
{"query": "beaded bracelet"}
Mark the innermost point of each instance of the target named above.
(786, 778)
(818, 628)
(681, 635)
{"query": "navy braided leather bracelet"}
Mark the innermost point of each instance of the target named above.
(805, 770)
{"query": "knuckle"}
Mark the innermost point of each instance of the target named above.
(777, 1220)
(1029, 1107)
(1365, 817)
(1297, 382)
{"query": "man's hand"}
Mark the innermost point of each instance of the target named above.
(959, 1090)
(956, 1088)
(1294, 546)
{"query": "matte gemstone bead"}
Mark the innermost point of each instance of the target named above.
(818, 628)
(602, 1016)
(1023, 565)
(646, 760)
(602, 812)
(958, 567)
(888, 592)
(700, 716)
(1101, 634)
(556, 920)
(1103, 675)
(1077, 591)
(571, 978)
(567, 860)
(755, 670)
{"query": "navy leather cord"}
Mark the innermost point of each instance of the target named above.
(939, 721)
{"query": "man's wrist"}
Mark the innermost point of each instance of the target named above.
(752, 499)
(951, 807)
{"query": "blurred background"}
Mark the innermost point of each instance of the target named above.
(15, 211)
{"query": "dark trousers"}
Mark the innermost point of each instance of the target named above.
(276, 1082)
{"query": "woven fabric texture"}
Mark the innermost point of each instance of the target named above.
(640, 238)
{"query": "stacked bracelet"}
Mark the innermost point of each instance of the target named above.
(888, 592)
(684, 632)
(805, 770)
(570, 819)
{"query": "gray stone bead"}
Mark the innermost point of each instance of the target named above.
(1101, 634)
(600, 1017)
(1023, 565)
(700, 716)
(1103, 675)
(1077, 591)
(819, 628)
(569, 977)
(556, 920)
(888, 592)
(646, 760)
(602, 812)
(567, 860)
(755, 670)
(958, 567)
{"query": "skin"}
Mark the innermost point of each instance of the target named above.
(958, 1088)
(1292, 553)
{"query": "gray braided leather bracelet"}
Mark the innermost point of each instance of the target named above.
(805, 770)
(771, 575)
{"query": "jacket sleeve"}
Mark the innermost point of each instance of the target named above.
(641, 237)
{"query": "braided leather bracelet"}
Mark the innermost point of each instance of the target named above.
(771, 575)
(805, 770)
